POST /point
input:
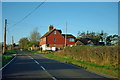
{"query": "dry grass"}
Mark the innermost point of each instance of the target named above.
(103, 59)
(102, 55)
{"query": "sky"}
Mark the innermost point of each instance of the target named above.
(80, 16)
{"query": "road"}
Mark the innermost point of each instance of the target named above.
(30, 66)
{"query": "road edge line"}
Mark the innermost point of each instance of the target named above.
(8, 63)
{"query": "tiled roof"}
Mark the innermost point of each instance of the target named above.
(47, 33)
(85, 40)
(68, 36)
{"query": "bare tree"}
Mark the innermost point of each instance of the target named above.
(35, 36)
(78, 34)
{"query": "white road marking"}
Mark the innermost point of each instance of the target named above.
(36, 62)
(54, 78)
(30, 57)
(42, 67)
(7, 63)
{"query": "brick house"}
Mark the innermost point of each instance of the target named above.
(55, 40)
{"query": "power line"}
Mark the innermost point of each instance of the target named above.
(28, 14)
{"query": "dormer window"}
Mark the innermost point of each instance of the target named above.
(54, 32)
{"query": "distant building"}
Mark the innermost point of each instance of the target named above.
(55, 40)
(86, 41)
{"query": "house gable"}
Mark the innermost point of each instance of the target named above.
(59, 38)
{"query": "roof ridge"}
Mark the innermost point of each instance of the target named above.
(47, 33)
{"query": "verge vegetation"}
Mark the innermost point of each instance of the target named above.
(100, 59)
(6, 58)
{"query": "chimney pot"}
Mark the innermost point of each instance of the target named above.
(50, 27)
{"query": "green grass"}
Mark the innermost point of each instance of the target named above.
(9, 52)
(6, 58)
(35, 52)
(105, 70)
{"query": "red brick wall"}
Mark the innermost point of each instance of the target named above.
(43, 41)
(58, 36)
(57, 45)
(69, 42)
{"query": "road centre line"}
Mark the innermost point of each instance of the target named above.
(36, 62)
(31, 57)
(54, 78)
(42, 67)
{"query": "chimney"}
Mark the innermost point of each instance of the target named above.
(50, 27)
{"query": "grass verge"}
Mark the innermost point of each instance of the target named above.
(6, 58)
(104, 70)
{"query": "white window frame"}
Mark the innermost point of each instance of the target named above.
(54, 32)
(71, 39)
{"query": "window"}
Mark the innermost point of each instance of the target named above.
(71, 39)
(58, 48)
(47, 45)
(54, 39)
(54, 32)
(54, 45)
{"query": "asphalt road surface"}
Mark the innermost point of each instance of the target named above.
(30, 66)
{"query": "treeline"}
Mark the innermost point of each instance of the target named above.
(100, 37)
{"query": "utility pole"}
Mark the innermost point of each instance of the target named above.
(66, 34)
(12, 42)
(5, 37)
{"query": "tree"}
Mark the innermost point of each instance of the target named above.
(78, 34)
(103, 36)
(87, 35)
(91, 35)
(23, 42)
(14, 44)
(35, 36)
(115, 39)
(83, 35)
(108, 40)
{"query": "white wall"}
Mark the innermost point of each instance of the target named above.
(44, 47)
